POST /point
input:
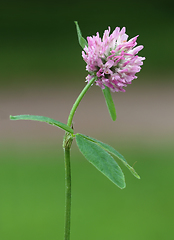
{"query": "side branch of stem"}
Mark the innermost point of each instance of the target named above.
(71, 115)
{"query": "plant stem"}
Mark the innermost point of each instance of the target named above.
(68, 138)
(71, 115)
(67, 193)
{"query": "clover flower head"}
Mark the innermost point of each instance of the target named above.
(112, 59)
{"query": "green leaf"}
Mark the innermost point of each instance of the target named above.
(101, 159)
(82, 41)
(43, 119)
(109, 103)
(111, 150)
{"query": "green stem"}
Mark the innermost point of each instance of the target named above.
(71, 115)
(67, 193)
(68, 138)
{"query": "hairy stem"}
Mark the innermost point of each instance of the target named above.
(68, 138)
(67, 193)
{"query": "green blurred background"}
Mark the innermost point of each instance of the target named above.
(42, 72)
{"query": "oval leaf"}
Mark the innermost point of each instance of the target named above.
(82, 41)
(109, 103)
(102, 160)
(43, 119)
(111, 150)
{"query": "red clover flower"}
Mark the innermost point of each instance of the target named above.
(113, 59)
(112, 63)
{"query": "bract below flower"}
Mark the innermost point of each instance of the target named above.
(112, 59)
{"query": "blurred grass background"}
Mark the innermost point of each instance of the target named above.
(32, 196)
(39, 50)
